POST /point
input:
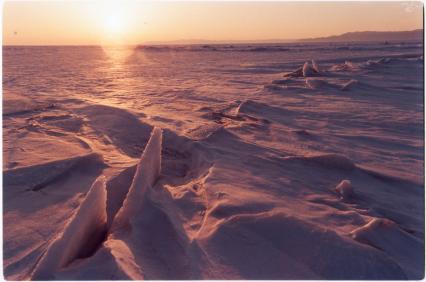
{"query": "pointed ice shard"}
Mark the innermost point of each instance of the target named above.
(345, 189)
(315, 67)
(147, 172)
(87, 227)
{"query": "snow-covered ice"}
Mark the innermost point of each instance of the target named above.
(289, 161)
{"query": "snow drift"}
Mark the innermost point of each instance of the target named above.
(387, 236)
(294, 246)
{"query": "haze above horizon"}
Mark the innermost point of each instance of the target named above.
(131, 22)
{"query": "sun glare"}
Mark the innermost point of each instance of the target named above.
(113, 24)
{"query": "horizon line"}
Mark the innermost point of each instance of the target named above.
(221, 41)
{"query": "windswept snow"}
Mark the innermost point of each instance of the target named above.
(214, 162)
(387, 236)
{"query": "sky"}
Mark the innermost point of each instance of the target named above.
(138, 22)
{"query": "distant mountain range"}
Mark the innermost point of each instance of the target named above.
(412, 35)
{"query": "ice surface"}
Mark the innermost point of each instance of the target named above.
(216, 166)
(316, 83)
(348, 85)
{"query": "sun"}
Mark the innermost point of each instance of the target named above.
(113, 24)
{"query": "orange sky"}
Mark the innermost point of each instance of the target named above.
(134, 22)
